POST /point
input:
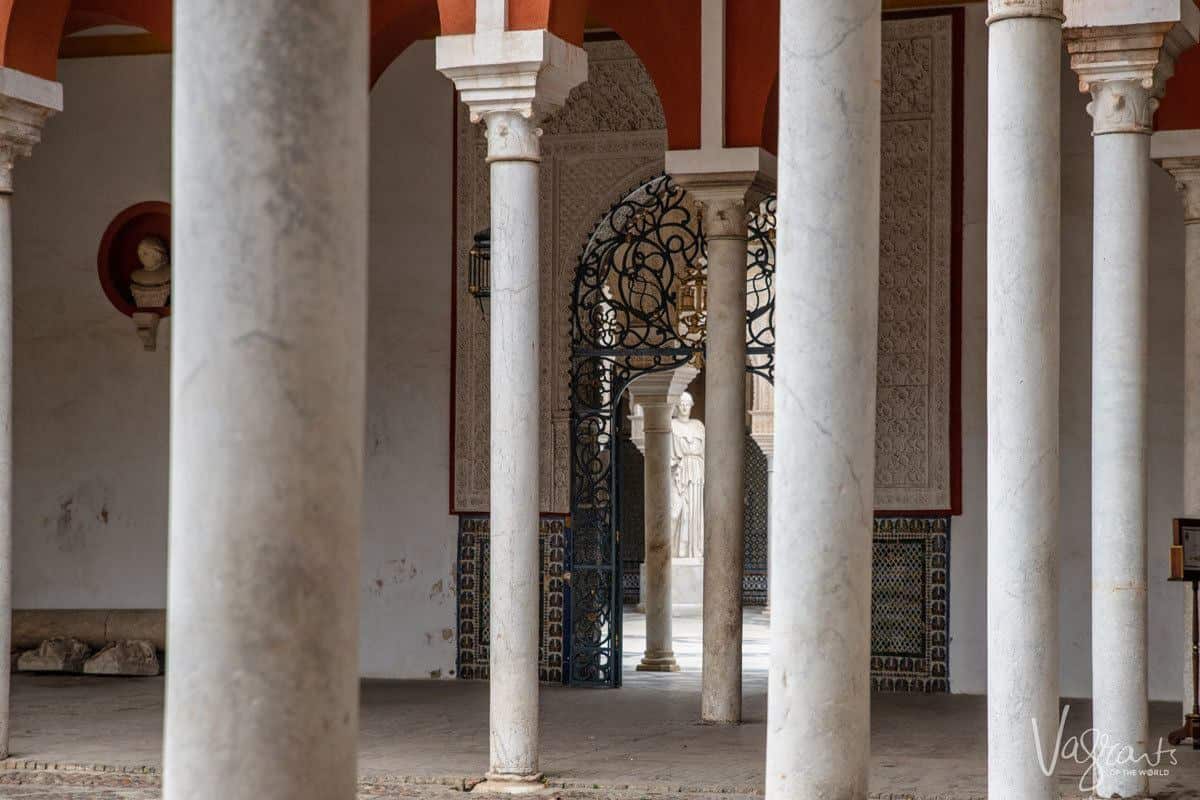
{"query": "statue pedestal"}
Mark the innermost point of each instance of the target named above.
(687, 587)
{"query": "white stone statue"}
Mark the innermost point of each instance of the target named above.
(687, 479)
(151, 288)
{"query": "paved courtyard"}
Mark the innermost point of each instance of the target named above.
(88, 738)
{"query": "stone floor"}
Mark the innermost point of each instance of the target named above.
(428, 739)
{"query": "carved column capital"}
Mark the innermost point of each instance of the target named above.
(26, 102)
(724, 199)
(1122, 106)
(1016, 9)
(1125, 69)
(512, 136)
(1178, 152)
(1186, 172)
(526, 72)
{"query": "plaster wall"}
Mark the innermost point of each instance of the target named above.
(91, 408)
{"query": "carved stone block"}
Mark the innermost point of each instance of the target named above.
(55, 655)
(136, 657)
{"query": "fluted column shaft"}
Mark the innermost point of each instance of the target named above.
(1024, 98)
(267, 399)
(827, 303)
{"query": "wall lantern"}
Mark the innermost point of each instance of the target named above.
(479, 266)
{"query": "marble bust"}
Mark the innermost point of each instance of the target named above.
(150, 284)
(687, 480)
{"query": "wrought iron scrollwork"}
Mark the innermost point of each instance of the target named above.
(760, 290)
(624, 324)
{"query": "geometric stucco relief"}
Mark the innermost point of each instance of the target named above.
(610, 137)
(913, 418)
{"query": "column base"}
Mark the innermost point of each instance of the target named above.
(511, 784)
(658, 662)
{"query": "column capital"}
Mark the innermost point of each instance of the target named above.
(26, 102)
(725, 183)
(1178, 152)
(526, 72)
(1017, 9)
(1123, 58)
(662, 388)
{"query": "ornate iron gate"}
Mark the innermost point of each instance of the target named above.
(625, 324)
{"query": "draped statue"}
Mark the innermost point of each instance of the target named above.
(687, 481)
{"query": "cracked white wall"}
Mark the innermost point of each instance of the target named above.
(92, 419)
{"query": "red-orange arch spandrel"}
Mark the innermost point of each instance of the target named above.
(751, 72)
(32, 31)
(666, 37)
(396, 24)
(1180, 107)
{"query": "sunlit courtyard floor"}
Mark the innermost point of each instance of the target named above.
(428, 739)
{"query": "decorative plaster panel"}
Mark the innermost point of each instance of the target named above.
(913, 465)
(609, 137)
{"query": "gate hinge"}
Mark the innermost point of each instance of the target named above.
(567, 576)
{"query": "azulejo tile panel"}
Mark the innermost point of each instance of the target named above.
(474, 597)
(910, 615)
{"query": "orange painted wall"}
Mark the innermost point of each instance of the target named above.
(1180, 108)
(31, 36)
(153, 15)
(751, 69)
(395, 24)
(666, 37)
(457, 16)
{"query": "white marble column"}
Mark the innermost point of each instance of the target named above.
(1178, 152)
(1123, 88)
(725, 220)
(267, 396)
(657, 395)
(509, 80)
(26, 102)
(1024, 98)
(827, 301)
(514, 155)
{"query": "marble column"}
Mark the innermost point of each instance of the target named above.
(509, 80)
(1024, 98)
(657, 394)
(826, 314)
(1178, 152)
(267, 400)
(26, 102)
(725, 221)
(1122, 69)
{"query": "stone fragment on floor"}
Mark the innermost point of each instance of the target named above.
(134, 657)
(55, 655)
